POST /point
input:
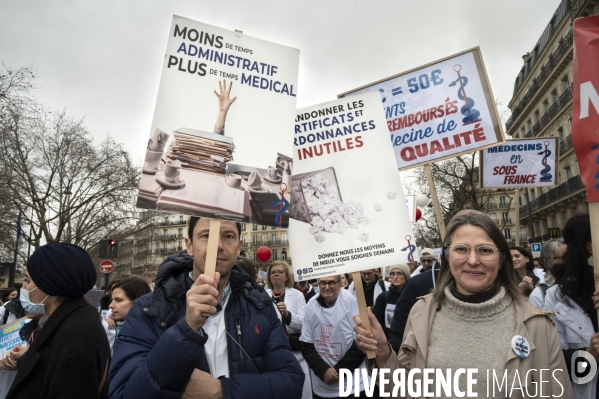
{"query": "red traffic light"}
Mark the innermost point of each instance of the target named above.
(112, 243)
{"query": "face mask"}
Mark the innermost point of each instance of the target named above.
(32, 308)
(316, 289)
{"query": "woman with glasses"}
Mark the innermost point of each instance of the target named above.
(476, 318)
(291, 305)
(384, 306)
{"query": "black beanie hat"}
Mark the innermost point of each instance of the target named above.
(62, 270)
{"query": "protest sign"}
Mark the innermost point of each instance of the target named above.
(520, 163)
(9, 337)
(411, 205)
(585, 105)
(585, 117)
(347, 209)
(149, 273)
(222, 94)
(439, 110)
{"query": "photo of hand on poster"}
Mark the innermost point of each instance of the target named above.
(439, 110)
(223, 97)
(348, 211)
(520, 163)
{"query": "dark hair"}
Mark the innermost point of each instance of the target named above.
(7, 292)
(194, 220)
(506, 277)
(248, 266)
(578, 282)
(530, 266)
(133, 287)
(111, 284)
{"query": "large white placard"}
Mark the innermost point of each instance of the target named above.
(440, 110)
(520, 163)
(348, 211)
(223, 97)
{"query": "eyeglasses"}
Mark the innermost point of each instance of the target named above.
(273, 272)
(483, 252)
(396, 274)
(331, 284)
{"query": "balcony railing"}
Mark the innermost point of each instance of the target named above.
(565, 44)
(565, 144)
(572, 185)
(491, 205)
(503, 204)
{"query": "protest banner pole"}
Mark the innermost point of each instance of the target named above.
(436, 205)
(594, 216)
(212, 250)
(517, 195)
(362, 306)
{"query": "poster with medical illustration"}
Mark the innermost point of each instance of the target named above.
(218, 140)
(520, 163)
(440, 110)
(348, 211)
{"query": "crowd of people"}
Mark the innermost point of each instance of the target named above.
(480, 304)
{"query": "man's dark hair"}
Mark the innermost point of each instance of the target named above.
(194, 220)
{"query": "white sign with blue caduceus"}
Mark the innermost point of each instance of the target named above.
(439, 110)
(520, 163)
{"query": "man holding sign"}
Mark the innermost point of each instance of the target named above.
(221, 340)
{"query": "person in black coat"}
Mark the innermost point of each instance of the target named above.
(419, 285)
(69, 356)
(384, 306)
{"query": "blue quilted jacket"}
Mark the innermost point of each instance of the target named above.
(156, 351)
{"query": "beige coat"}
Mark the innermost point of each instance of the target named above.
(532, 323)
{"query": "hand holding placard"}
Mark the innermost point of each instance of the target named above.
(202, 299)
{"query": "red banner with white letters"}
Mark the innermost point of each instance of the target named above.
(585, 106)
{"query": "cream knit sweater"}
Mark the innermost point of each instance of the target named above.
(473, 335)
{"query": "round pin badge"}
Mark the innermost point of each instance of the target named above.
(521, 346)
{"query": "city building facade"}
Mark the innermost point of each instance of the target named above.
(542, 107)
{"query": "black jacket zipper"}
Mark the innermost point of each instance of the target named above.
(241, 361)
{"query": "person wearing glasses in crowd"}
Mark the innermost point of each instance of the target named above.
(373, 286)
(328, 338)
(427, 260)
(384, 307)
(552, 253)
(476, 318)
(291, 304)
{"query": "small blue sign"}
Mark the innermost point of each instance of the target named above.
(536, 247)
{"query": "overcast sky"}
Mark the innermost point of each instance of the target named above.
(102, 60)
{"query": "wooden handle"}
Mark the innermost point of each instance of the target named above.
(362, 306)
(212, 250)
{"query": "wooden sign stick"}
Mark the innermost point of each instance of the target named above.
(436, 205)
(517, 195)
(212, 251)
(594, 216)
(362, 306)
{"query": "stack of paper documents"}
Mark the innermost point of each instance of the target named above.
(201, 150)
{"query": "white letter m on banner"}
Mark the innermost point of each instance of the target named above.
(588, 94)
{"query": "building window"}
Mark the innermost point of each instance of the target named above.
(273, 238)
(181, 219)
(264, 227)
(164, 233)
(180, 233)
(179, 245)
(242, 226)
(255, 227)
(274, 254)
(284, 254)
(504, 217)
(508, 234)
(523, 234)
(554, 96)
(493, 216)
(567, 173)
(255, 239)
(502, 201)
(243, 239)
(565, 84)
(560, 133)
(284, 238)
(273, 228)
(264, 238)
